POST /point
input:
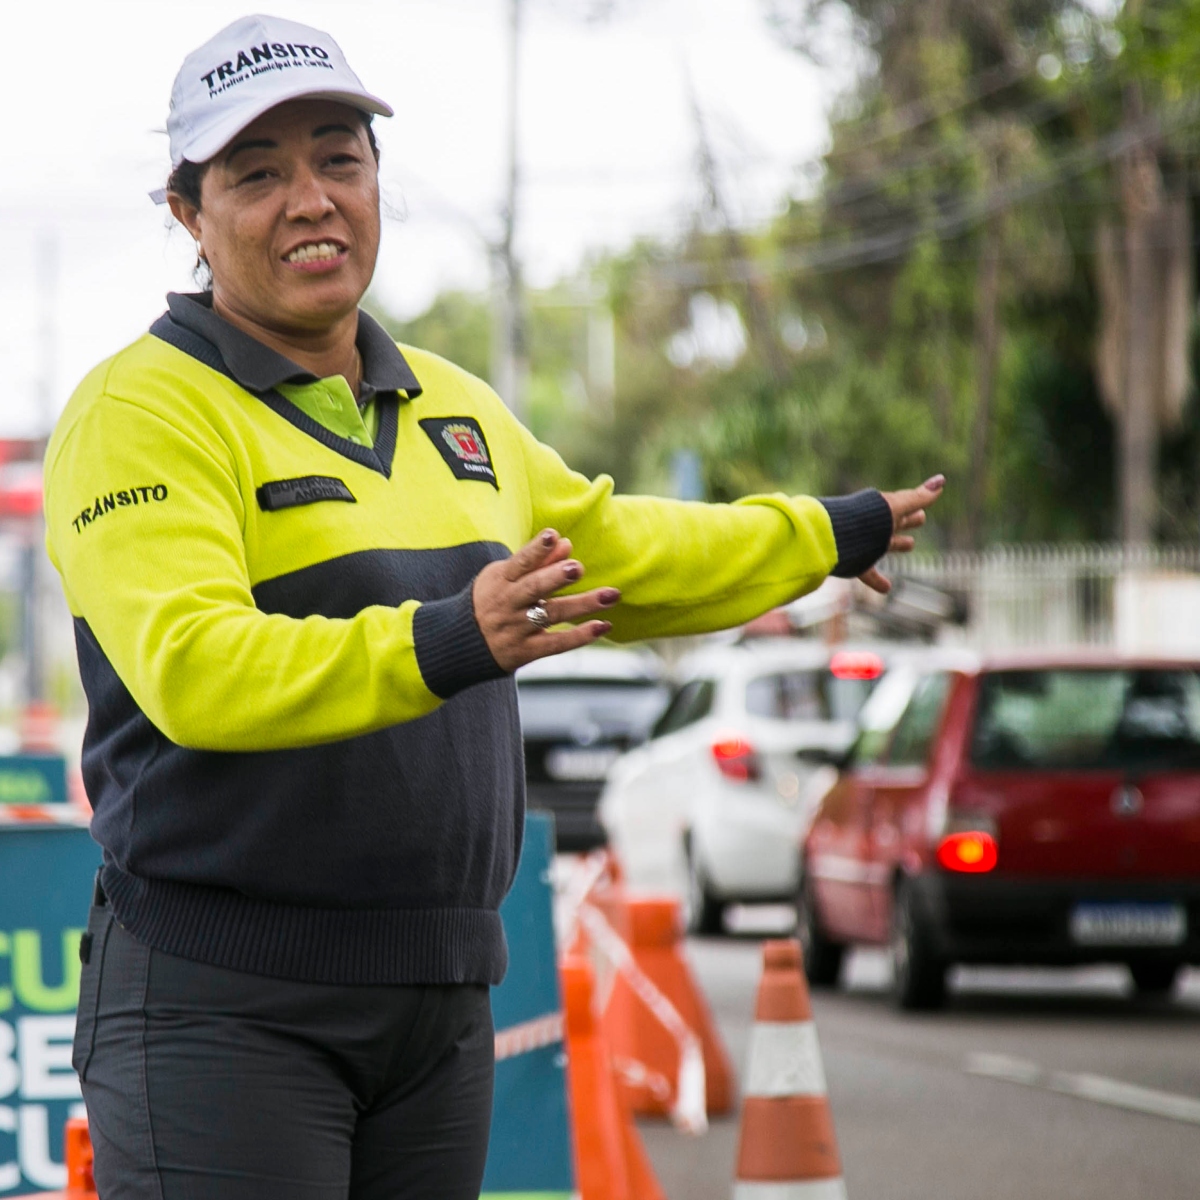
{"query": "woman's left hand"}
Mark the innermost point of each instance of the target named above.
(908, 512)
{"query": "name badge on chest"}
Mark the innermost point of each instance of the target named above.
(307, 489)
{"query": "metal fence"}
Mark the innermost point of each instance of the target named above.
(1037, 595)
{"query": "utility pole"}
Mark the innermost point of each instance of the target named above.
(764, 335)
(510, 352)
(32, 555)
(987, 347)
(1142, 200)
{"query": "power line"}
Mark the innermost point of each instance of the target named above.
(892, 243)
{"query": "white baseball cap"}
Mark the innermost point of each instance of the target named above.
(250, 67)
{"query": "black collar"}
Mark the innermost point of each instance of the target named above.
(258, 368)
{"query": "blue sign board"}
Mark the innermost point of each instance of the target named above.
(46, 874)
(33, 779)
(45, 888)
(530, 1150)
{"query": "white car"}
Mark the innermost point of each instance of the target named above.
(714, 805)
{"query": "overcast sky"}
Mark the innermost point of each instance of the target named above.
(607, 147)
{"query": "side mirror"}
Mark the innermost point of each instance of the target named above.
(824, 756)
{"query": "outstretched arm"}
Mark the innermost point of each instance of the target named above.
(679, 568)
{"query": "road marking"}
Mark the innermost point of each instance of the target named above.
(1097, 1088)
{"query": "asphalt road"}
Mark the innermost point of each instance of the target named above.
(1030, 1085)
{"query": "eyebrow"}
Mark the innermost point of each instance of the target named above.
(255, 144)
(268, 144)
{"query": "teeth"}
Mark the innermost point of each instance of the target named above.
(314, 252)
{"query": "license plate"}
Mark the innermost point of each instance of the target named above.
(580, 765)
(1128, 924)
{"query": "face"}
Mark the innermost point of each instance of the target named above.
(289, 217)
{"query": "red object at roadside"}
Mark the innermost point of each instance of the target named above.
(20, 489)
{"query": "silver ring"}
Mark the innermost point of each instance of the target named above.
(537, 615)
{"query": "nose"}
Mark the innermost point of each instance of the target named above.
(307, 197)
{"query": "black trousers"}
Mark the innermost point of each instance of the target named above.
(208, 1084)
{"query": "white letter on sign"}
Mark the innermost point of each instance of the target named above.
(10, 1073)
(33, 1149)
(10, 1173)
(45, 1056)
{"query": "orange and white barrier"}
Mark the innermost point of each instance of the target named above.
(669, 1056)
(787, 1149)
(610, 1161)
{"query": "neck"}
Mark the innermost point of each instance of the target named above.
(324, 352)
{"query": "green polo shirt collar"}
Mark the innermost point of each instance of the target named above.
(329, 401)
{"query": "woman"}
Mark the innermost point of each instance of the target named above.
(303, 566)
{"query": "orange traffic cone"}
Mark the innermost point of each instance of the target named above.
(652, 928)
(611, 1162)
(787, 1149)
(38, 728)
(78, 1157)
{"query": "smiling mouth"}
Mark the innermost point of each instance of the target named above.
(314, 252)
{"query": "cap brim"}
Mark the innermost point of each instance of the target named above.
(216, 139)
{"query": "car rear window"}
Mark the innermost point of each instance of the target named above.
(693, 702)
(806, 696)
(1087, 718)
(631, 706)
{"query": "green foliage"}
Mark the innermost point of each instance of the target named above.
(457, 326)
(864, 317)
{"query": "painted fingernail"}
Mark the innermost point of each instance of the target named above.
(572, 571)
(602, 627)
(935, 483)
(609, 596)
(549, 537)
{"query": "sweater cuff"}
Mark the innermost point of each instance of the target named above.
(862, 528)
(451, 650)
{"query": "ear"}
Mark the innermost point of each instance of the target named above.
(186, 213)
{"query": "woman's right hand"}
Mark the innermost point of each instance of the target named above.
(505, 591)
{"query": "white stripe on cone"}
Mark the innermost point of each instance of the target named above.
(813, 1189)
(785, 1060)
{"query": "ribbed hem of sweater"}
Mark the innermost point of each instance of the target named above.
(452, 652)
(224, 928)
(862, 528)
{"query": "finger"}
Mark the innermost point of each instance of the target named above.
(545, 581)
(901, 545)
(546, 547)
(572, 608)
(912, 521)
(558, 641)
(909, 501)
(876, 581)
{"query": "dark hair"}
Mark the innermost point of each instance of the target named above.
(186, 179)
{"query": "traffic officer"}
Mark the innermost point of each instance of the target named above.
(303, 565)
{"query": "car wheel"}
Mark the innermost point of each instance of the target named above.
(1154, 978)
(822, 957)
(704, 913)
(918, 975)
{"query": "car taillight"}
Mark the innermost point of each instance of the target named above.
(736, 758)
(855, 664)
(973, 852)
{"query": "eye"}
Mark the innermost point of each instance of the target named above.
(255, 176)
(343, 159)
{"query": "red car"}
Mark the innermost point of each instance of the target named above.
(1021, 810)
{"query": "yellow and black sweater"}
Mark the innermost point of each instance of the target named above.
(302, 758)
